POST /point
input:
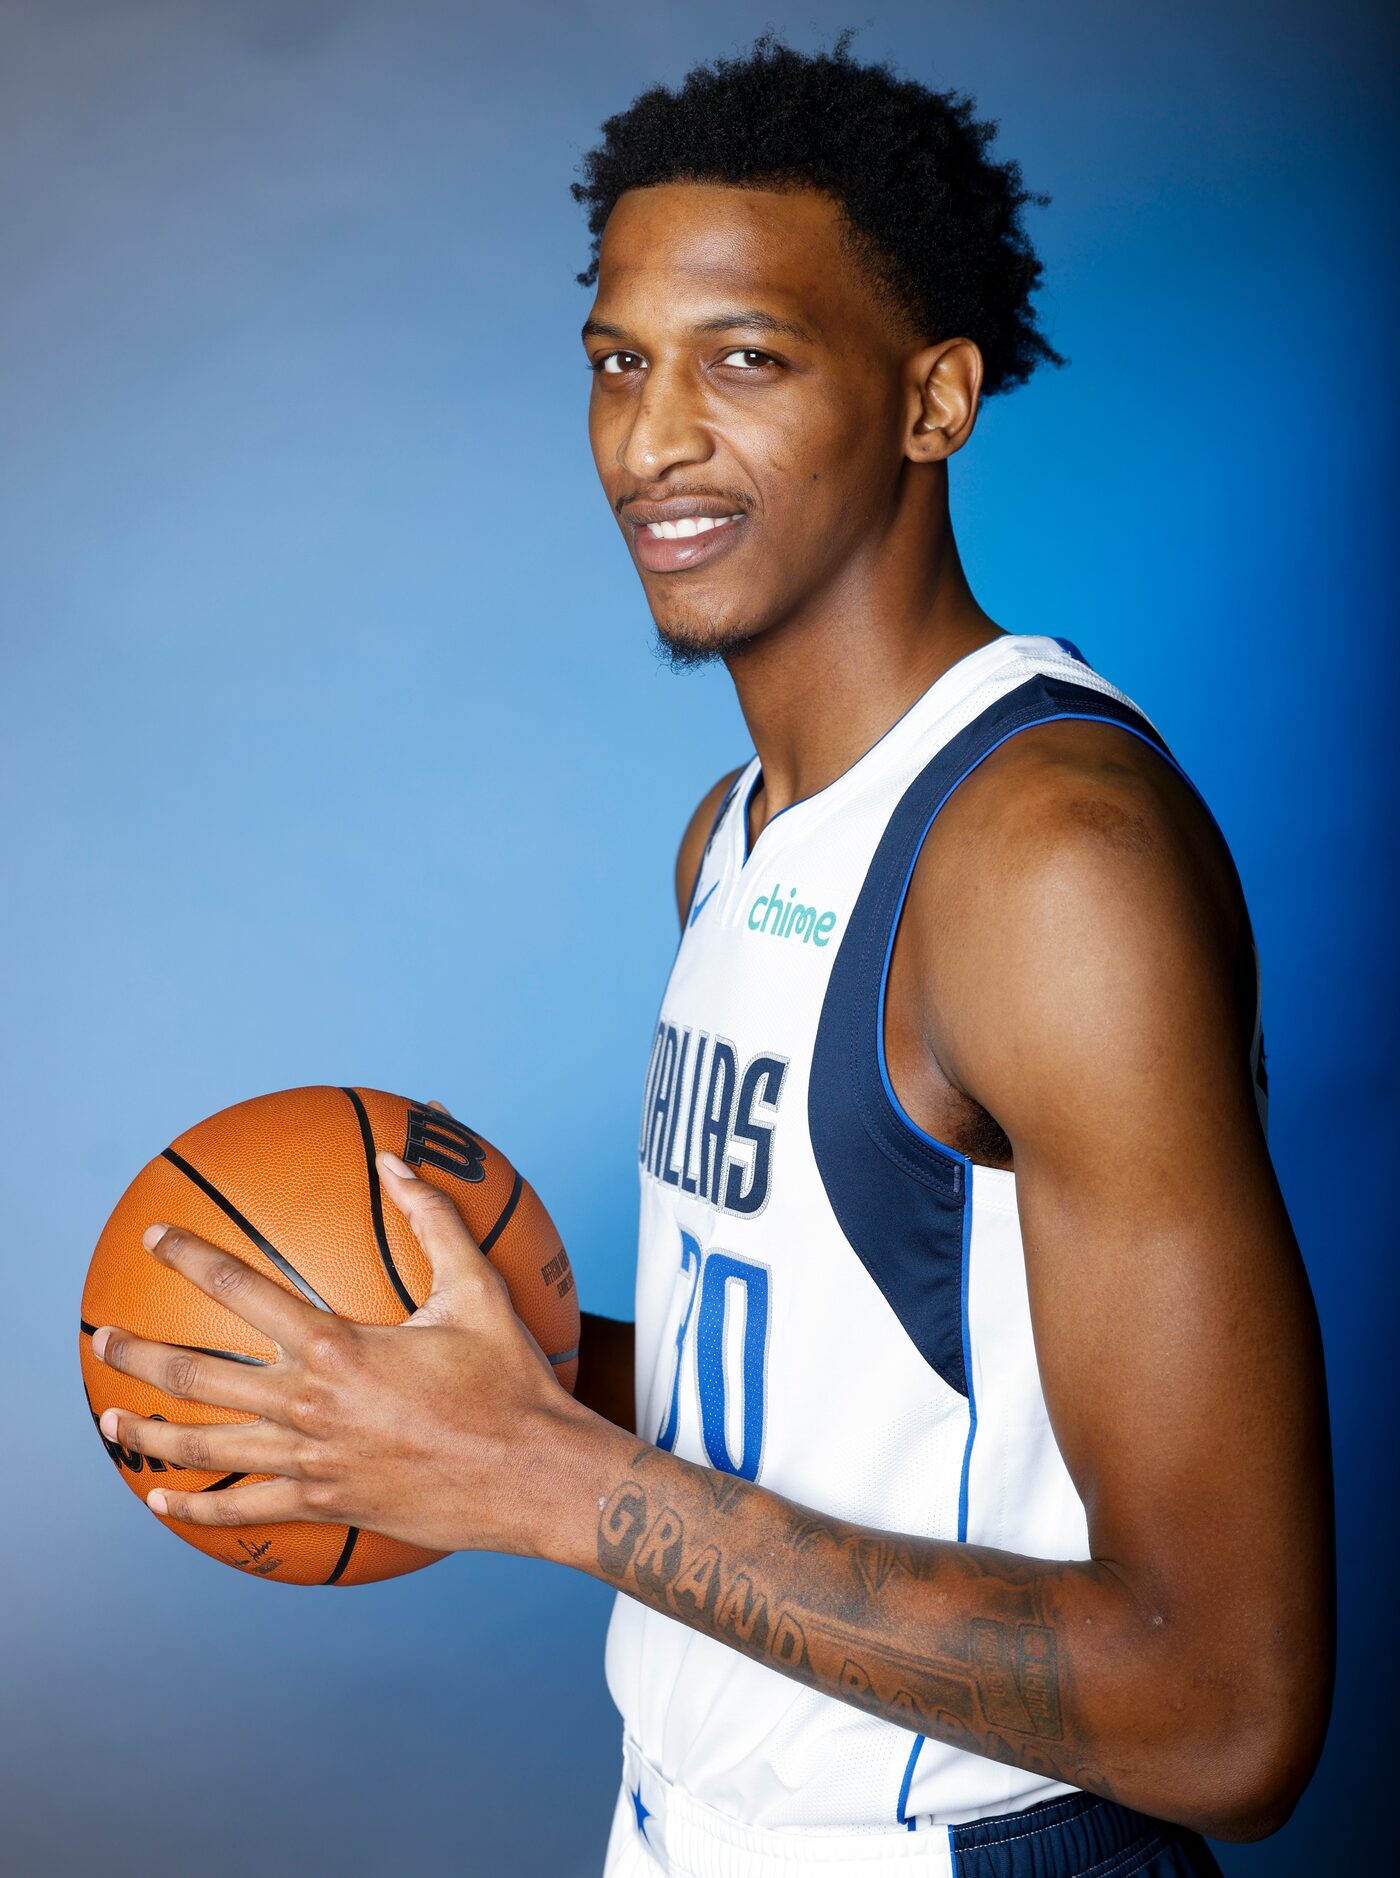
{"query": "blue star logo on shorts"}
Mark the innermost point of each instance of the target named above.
(643, 1812)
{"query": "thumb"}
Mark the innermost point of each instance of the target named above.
(462, 1275)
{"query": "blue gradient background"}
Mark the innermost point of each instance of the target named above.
(333, 750)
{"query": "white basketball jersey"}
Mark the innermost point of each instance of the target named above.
(830, 1302)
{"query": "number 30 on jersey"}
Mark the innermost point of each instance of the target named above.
(731, 1362)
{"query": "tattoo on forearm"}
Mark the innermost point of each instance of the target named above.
(991, 1684)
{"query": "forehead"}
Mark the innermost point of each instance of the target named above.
(675, 249)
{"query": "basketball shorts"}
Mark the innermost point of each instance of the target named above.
(660, 1831)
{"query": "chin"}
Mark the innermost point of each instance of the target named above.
(683, 641)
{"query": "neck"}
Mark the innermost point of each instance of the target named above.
(820, 687)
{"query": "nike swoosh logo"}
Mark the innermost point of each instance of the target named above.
(699, 906)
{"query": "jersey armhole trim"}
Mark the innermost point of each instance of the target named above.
(900, 1113)
(720, 812)
(901, 1197)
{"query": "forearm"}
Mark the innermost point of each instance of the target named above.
(606, 1369)
(1049, 1666)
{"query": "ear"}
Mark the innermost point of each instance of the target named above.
(945, 384)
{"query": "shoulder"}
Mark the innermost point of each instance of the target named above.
(697, 833)
(1082, 802)
(1074, 881)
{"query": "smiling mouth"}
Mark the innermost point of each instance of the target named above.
(677, 547)
(688, 525)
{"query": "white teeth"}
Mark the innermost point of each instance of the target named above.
(688, 525)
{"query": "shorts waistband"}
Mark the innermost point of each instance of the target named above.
(1076, 1835)
(689, 1839)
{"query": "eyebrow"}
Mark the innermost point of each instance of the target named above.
(754, 318)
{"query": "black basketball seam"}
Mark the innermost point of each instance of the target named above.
(197, 1349)
(229, 1356)
(246, 1226)
(352, 1533)
(503, 1217)
(376, 1206)
(151, 1462)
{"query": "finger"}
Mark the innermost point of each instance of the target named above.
(190, 1375)
(457, 1261)
(443, 1109)
(259, 1503)
(216, 1448)
(230, 1279)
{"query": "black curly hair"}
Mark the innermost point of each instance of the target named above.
(934, 220)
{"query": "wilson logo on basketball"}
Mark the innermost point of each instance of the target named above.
(436, 1140)
(125, 1457)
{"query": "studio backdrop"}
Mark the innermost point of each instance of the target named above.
(335, 751)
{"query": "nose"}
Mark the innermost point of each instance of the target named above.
(666, 427)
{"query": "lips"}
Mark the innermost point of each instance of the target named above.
(686, 552)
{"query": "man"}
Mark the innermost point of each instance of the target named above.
(977, 1516)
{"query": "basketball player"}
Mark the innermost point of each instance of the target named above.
(977, 1514)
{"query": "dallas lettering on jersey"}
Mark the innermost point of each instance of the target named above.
(707, 1125)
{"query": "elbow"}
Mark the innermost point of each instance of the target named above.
(1259, 1770)
(1240, 1723)
(1252, 1810)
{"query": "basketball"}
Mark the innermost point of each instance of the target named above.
(288, 1183)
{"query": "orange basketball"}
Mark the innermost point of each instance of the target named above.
(288, 1182)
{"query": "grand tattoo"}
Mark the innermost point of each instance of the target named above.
(896, 1626)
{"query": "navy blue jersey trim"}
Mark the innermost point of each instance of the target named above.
(748, 802)
(883, 736)
(902, 1198)
(718, 817)
(965, 1273)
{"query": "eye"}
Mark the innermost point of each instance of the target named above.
(608, 363)
(745, 355)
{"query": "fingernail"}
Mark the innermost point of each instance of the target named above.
(395, 1165)
(108, 1424)
(158, 1503)
(99, 1341)
(152, 1236)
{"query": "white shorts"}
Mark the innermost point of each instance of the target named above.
(661, 1831)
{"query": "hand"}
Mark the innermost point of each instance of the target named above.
(441, 1431)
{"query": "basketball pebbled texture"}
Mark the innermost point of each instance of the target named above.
(288, 1183)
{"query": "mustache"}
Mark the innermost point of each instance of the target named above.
(732, 496)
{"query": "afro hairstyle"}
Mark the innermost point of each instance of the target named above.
(934, 220)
